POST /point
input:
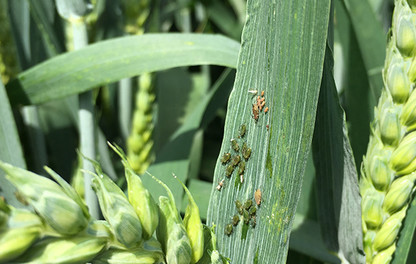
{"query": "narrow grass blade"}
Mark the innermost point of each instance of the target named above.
(403, 252)
(359, 101)
(282, 53)
(336, 175)
(112, 60)
(11, 149)
(371, 39)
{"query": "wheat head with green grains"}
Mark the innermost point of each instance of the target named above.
(388, 169)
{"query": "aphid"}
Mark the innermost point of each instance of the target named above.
(262, 93)
(247, 153)
(253, 92)
(243, 130)
(225, 158)
(228, 229)
(248, 204)
(241, 167)
(235, 145)
(235, 160)
(236, 219)
(220, 184)
(238, 204)
(257, 197)
(252, 210)
(241, 178)
(246, 216)
(266, 109)
(239, 207)
(258, 101)
(267, 126)
(255, 110)
(262, 105)
(229, 170)
(253, 222)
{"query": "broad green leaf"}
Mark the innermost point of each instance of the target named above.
(11, 149)
(112, 60)
(336, 176)
(283, 47)
(371, 40)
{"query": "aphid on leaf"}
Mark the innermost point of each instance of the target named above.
(252, 210)
(235, 145)
(266, 109)
(246, 216)
(236, 219)
(241, 167)
(236, 159)
(238, 204)
(243, 130)
(253, 222)
(225, 158)
(229, 170)
(220, 185)
(228, 229)
(257, 197)
(262, 93)
(267, 126)
(255, 110)
(241, 178)
(262, 105)
(246, 152)
(248, 204)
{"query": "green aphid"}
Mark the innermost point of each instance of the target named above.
(225, 158)
(252, 210)
(248, 204)
(243, 130)
(246, 152)
(240, 210)
(236, 220)
(228, 229)
(238, 204)
(253, 222)
(235, 145)
(229, 170)
(241, 167)
(236, 159)
(246, 215)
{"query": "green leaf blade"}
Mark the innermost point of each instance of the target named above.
(282, 53)
(101, 63)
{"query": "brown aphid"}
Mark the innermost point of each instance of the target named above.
(266, 109)
(220, 185)
(257, 197)
(258, 101)
(262, 105)
(255, 110)
(267, 126)
(262, 93)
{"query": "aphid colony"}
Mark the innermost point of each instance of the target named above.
(232, 162)
(258, 106)
(246, 213)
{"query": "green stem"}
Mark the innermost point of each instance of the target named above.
(125, 105)
(86, 124)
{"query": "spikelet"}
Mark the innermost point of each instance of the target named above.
(388, 170)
